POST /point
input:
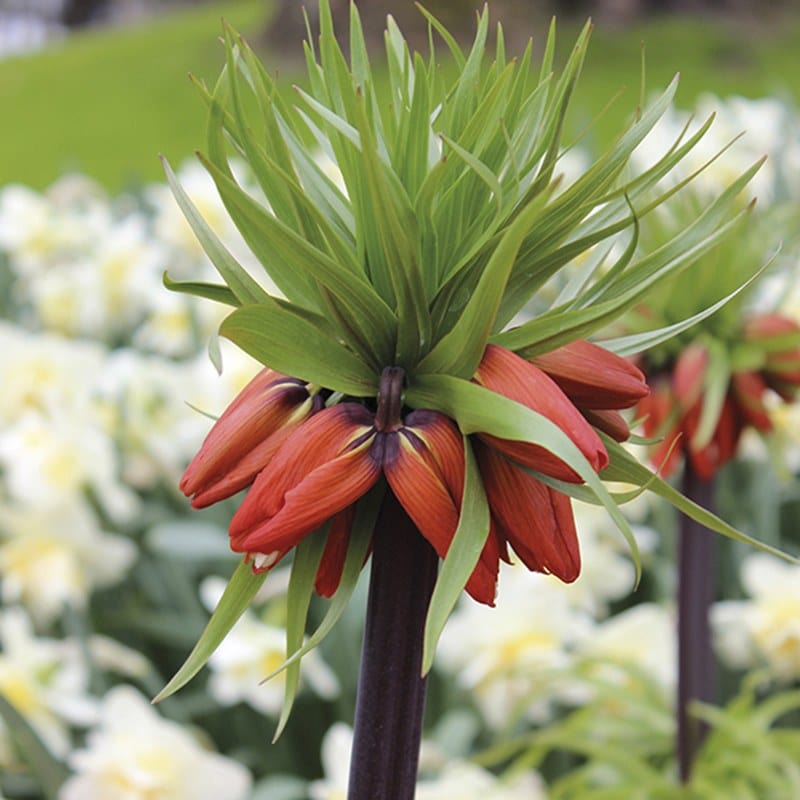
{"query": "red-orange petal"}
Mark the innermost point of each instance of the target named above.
(608, 421)
(689, 373)
(424, 466)
(748, 389)
(661, 419)
(323, 467)
(507, 374)
(708, 460)
(536, 520)
(592, 377)
(329, 572)
(238, 445)
(783, 366)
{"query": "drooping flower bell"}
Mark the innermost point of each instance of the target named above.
(246, 436)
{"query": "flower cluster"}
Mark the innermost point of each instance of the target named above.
(677, 412)
(308, 463)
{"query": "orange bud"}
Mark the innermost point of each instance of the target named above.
(245, 437)
(688, 375)
(748, 389)
(592, 377)
(782, 370)
(708, 460)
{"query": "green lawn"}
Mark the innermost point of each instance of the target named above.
(107, 102)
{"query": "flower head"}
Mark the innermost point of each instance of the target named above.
(702, 408)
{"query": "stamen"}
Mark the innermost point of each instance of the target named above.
(262, 561)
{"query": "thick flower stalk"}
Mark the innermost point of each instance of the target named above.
(401, 403)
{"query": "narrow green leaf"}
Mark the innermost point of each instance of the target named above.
(210, 291)
(628, 468)
(462, 556)
(716, 382)
(394, 250)
(241, 283)
(369, 319)
(336, 122)
(357, 551)
(239, 592)
(559, 326)
(478, 410)
(307, 556)
(452, 44)
(460, 350)
(639, 342)
(290, 344)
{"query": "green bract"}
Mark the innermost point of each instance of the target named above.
(440, 220)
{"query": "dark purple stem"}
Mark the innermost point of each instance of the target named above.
(391, 692)
(696, 587)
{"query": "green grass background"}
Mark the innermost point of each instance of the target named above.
(107, 102)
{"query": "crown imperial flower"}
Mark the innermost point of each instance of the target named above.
(395, 365)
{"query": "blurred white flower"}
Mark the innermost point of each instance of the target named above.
(250, 652)
(47, 374)
(175, 325)
(337, 745)
(55, 459)
(39, 229)
(106, 291)
(460, 780)
(641, 637)
(134, 754)
(54, 555)
(509, 656)
(147, 400)
(770, 127)
(607, 570)
(45, 680)
(765, 629)
(456, 780)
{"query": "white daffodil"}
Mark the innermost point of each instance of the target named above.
(55, 555)
(134, 754)
(607, 570)
(46, 373)
(764, 629)
(465, 781)
(641, 637)
(454, 780)
(39, 230)
(46, 681)
(55, 458)
(510, 655)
